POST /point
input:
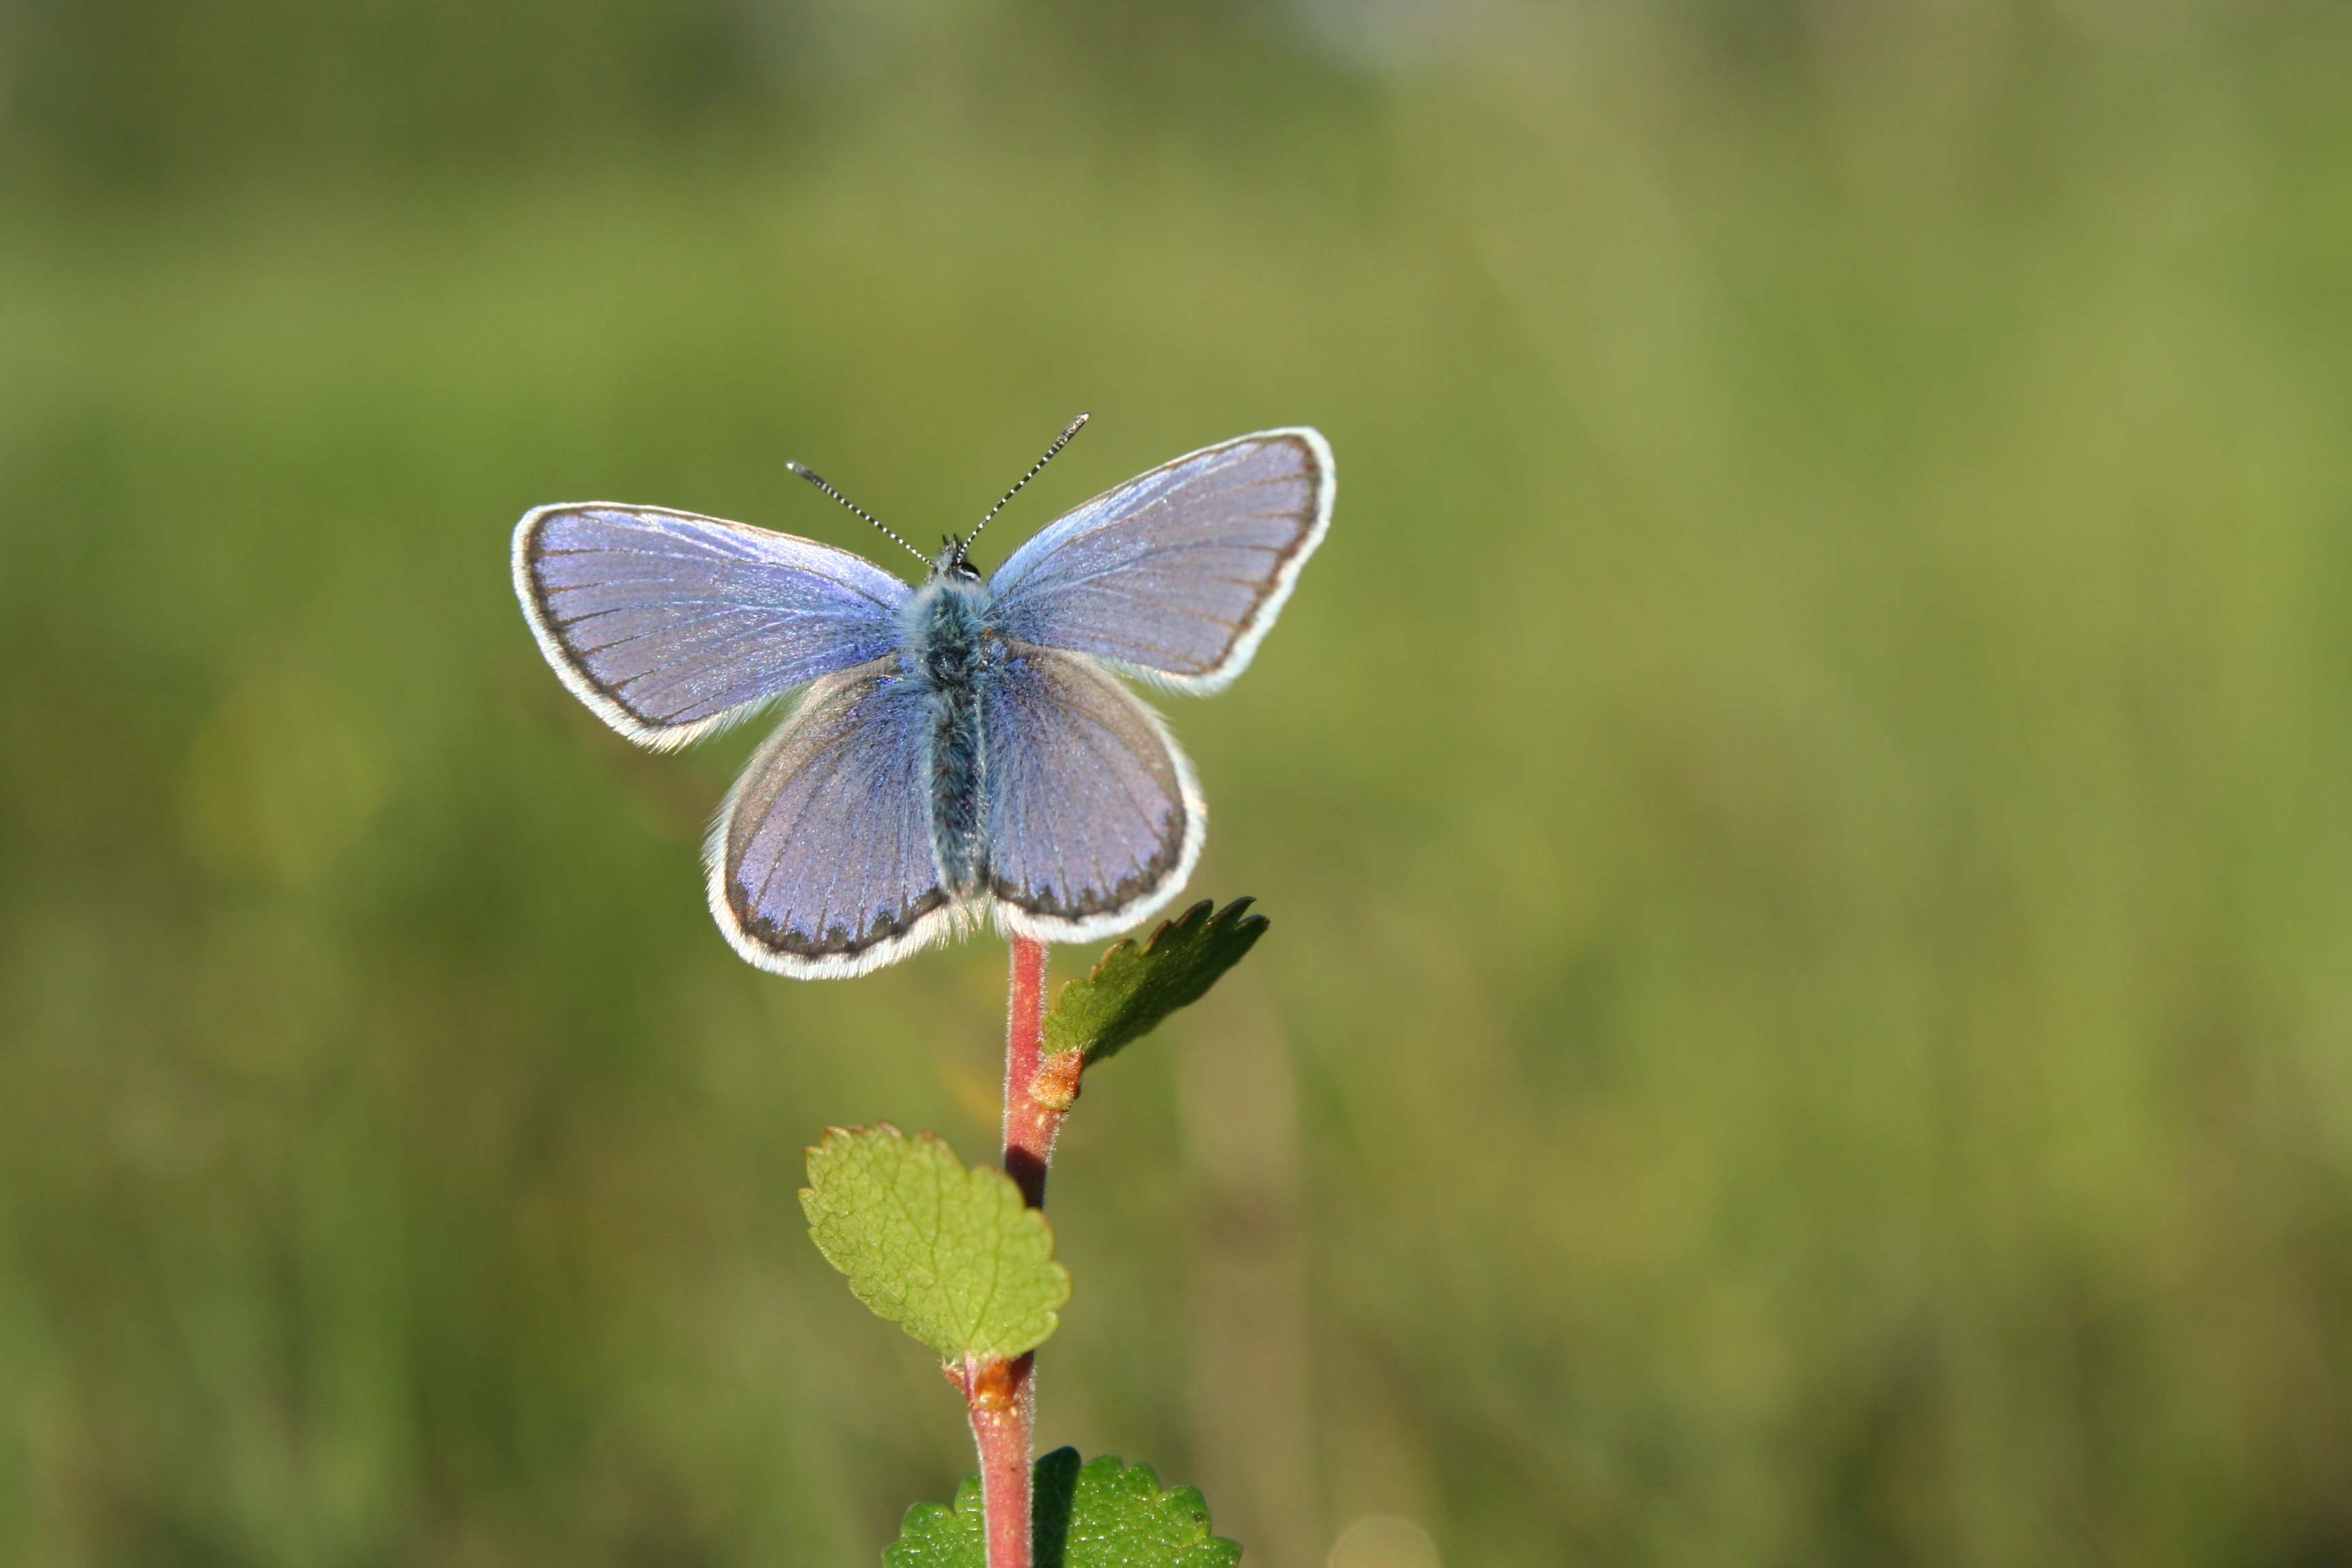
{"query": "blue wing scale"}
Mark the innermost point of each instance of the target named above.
(1069, 812)
(1176, 576)
(666, 624)
(1094, 817)
(821, 862)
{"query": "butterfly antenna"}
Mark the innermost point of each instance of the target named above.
(811, 476)
(1059, 442)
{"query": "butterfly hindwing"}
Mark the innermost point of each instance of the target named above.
(821, 862)
(1094, 817)
(666, 623)
(954, 747)
(1176, 575)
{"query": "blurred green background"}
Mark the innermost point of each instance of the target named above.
(1807, 802)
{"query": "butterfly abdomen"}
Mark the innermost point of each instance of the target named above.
(947, 655)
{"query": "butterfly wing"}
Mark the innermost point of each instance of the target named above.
(821, 862)
(1177, 574)
(666, 624)
(1094, 817)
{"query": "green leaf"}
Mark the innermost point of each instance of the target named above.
(951, 1254)
(1133, 989)
(1105, 1515)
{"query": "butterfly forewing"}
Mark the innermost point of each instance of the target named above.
(1177, 574)
(821, 862)
(1094, 820)
(1002, 743)
(665, 622)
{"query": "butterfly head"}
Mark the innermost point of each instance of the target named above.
(951, 561)
(954, 562)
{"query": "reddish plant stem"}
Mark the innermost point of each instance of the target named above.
(1001, 1396)
(1029, 1126)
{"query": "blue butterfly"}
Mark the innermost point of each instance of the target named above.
(961, 748)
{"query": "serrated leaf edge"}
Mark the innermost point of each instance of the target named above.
(892, 1308)
(1193, 923)
(1139, 1482)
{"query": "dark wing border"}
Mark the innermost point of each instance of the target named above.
(1015, 918)
(1271, 599)
(934, 917)
(574, 673)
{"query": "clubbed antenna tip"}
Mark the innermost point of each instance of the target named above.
(1060, 441)
(812, 477)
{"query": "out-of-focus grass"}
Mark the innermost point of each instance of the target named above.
(1807, 803)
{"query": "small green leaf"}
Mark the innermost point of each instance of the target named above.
(1105, 1515)
(1133, 989)
(952, 1254)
